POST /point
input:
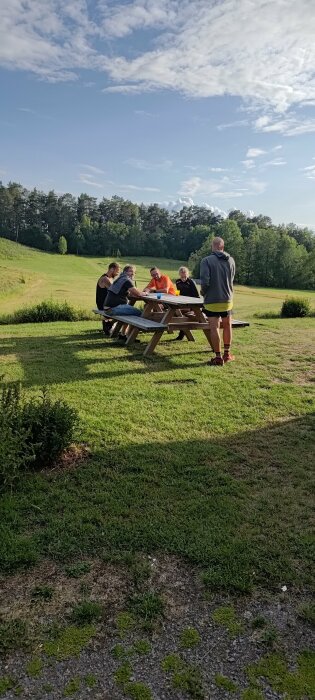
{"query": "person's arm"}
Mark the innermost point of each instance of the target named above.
(104, 282)
(150, 285)
(194, 290)
(135, 293)
(233, 270)
(204, 276)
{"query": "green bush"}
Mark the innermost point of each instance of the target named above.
(50, 426)
(33, 434)
(45, 312)
(16, 453)
(295, 307)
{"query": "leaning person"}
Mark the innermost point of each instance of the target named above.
(119, 293)
(217, 272)
(187, 288)
(160, 283)
(103, 284)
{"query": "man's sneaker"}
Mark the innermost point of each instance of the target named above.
(227, 357)
(216, 361)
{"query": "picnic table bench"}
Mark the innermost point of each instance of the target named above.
(138, 323)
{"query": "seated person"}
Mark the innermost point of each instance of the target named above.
(186, 284)
(117, 296)
(187, 288)
(102, 286)
(160, 283)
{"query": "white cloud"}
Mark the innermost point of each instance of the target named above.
(88, 179)
(248, 164)
(137, 188)
(142, 164)
(291, 125)
(231, 125)
(26, 109)
(309, 172)
(273, 64)
(93, 169)
(183, 202)
(143, 113)
(218, 170)
(276, 162)
(223, 188)
(254, 152)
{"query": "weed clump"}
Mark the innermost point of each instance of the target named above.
(69, 642)
(226, 617)
(86, 612)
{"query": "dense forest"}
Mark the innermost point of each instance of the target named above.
(266, 254)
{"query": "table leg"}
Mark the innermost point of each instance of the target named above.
(158, 334)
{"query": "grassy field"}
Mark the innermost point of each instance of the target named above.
(211, 464)
(196, 487)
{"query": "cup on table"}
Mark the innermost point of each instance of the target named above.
(177, 292)
(159, 295)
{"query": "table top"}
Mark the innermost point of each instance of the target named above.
(174, 300)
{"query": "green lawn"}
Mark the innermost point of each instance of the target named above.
(213, 464)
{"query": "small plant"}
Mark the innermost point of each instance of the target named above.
(252, 694)
(47, 687)
(189, 681)
(125, 622)
(142, 647)
(307, 612)
(78, 570)
(72, 687)
(42, 593)
(16, 452)
(189, 638)
(13, 635)
(225, 683)
(269, 637)
(147, 606)
(18, 690)
(69, 642)
(86, 612)
(294, 685)
(259, 622)
(172, 663)
(295, 307)
(34, 668)
(6, 683)
(226, 617)
(138, 691)
(119, 652)
(90, 680)
(123, 674)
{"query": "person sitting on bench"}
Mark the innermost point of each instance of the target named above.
(187, 288)
(160, 283)
(117, 296)
(102, 287)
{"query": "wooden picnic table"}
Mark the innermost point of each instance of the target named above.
(174, 313)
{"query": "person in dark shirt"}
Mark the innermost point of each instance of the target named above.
(117, 298)
(103, 284)
(187, 288)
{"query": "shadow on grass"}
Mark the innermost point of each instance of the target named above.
(239, 508)
(57, 359)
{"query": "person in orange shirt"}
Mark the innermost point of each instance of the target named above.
(160, 283)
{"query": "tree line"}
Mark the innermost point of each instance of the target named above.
(265, 254)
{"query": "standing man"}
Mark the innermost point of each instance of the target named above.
(160, 283)
(102, 286)
(217, 273)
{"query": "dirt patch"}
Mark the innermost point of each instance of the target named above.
(263, 623)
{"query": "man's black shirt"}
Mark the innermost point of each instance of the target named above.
(187, 288)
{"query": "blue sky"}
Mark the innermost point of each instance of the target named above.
(162, 101)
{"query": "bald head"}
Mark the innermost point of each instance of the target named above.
(217, 244)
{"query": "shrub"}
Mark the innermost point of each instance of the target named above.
(50, 426)
(45, 312)
(295, 307)
(86, 612)
(62, 245)
(32, 435)
(16, 452)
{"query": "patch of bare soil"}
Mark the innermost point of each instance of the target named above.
(187, 605)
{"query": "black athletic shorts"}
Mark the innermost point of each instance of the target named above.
(221, 314)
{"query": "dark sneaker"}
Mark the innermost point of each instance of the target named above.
(216, 361)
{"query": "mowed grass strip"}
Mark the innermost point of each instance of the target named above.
(218, 469)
